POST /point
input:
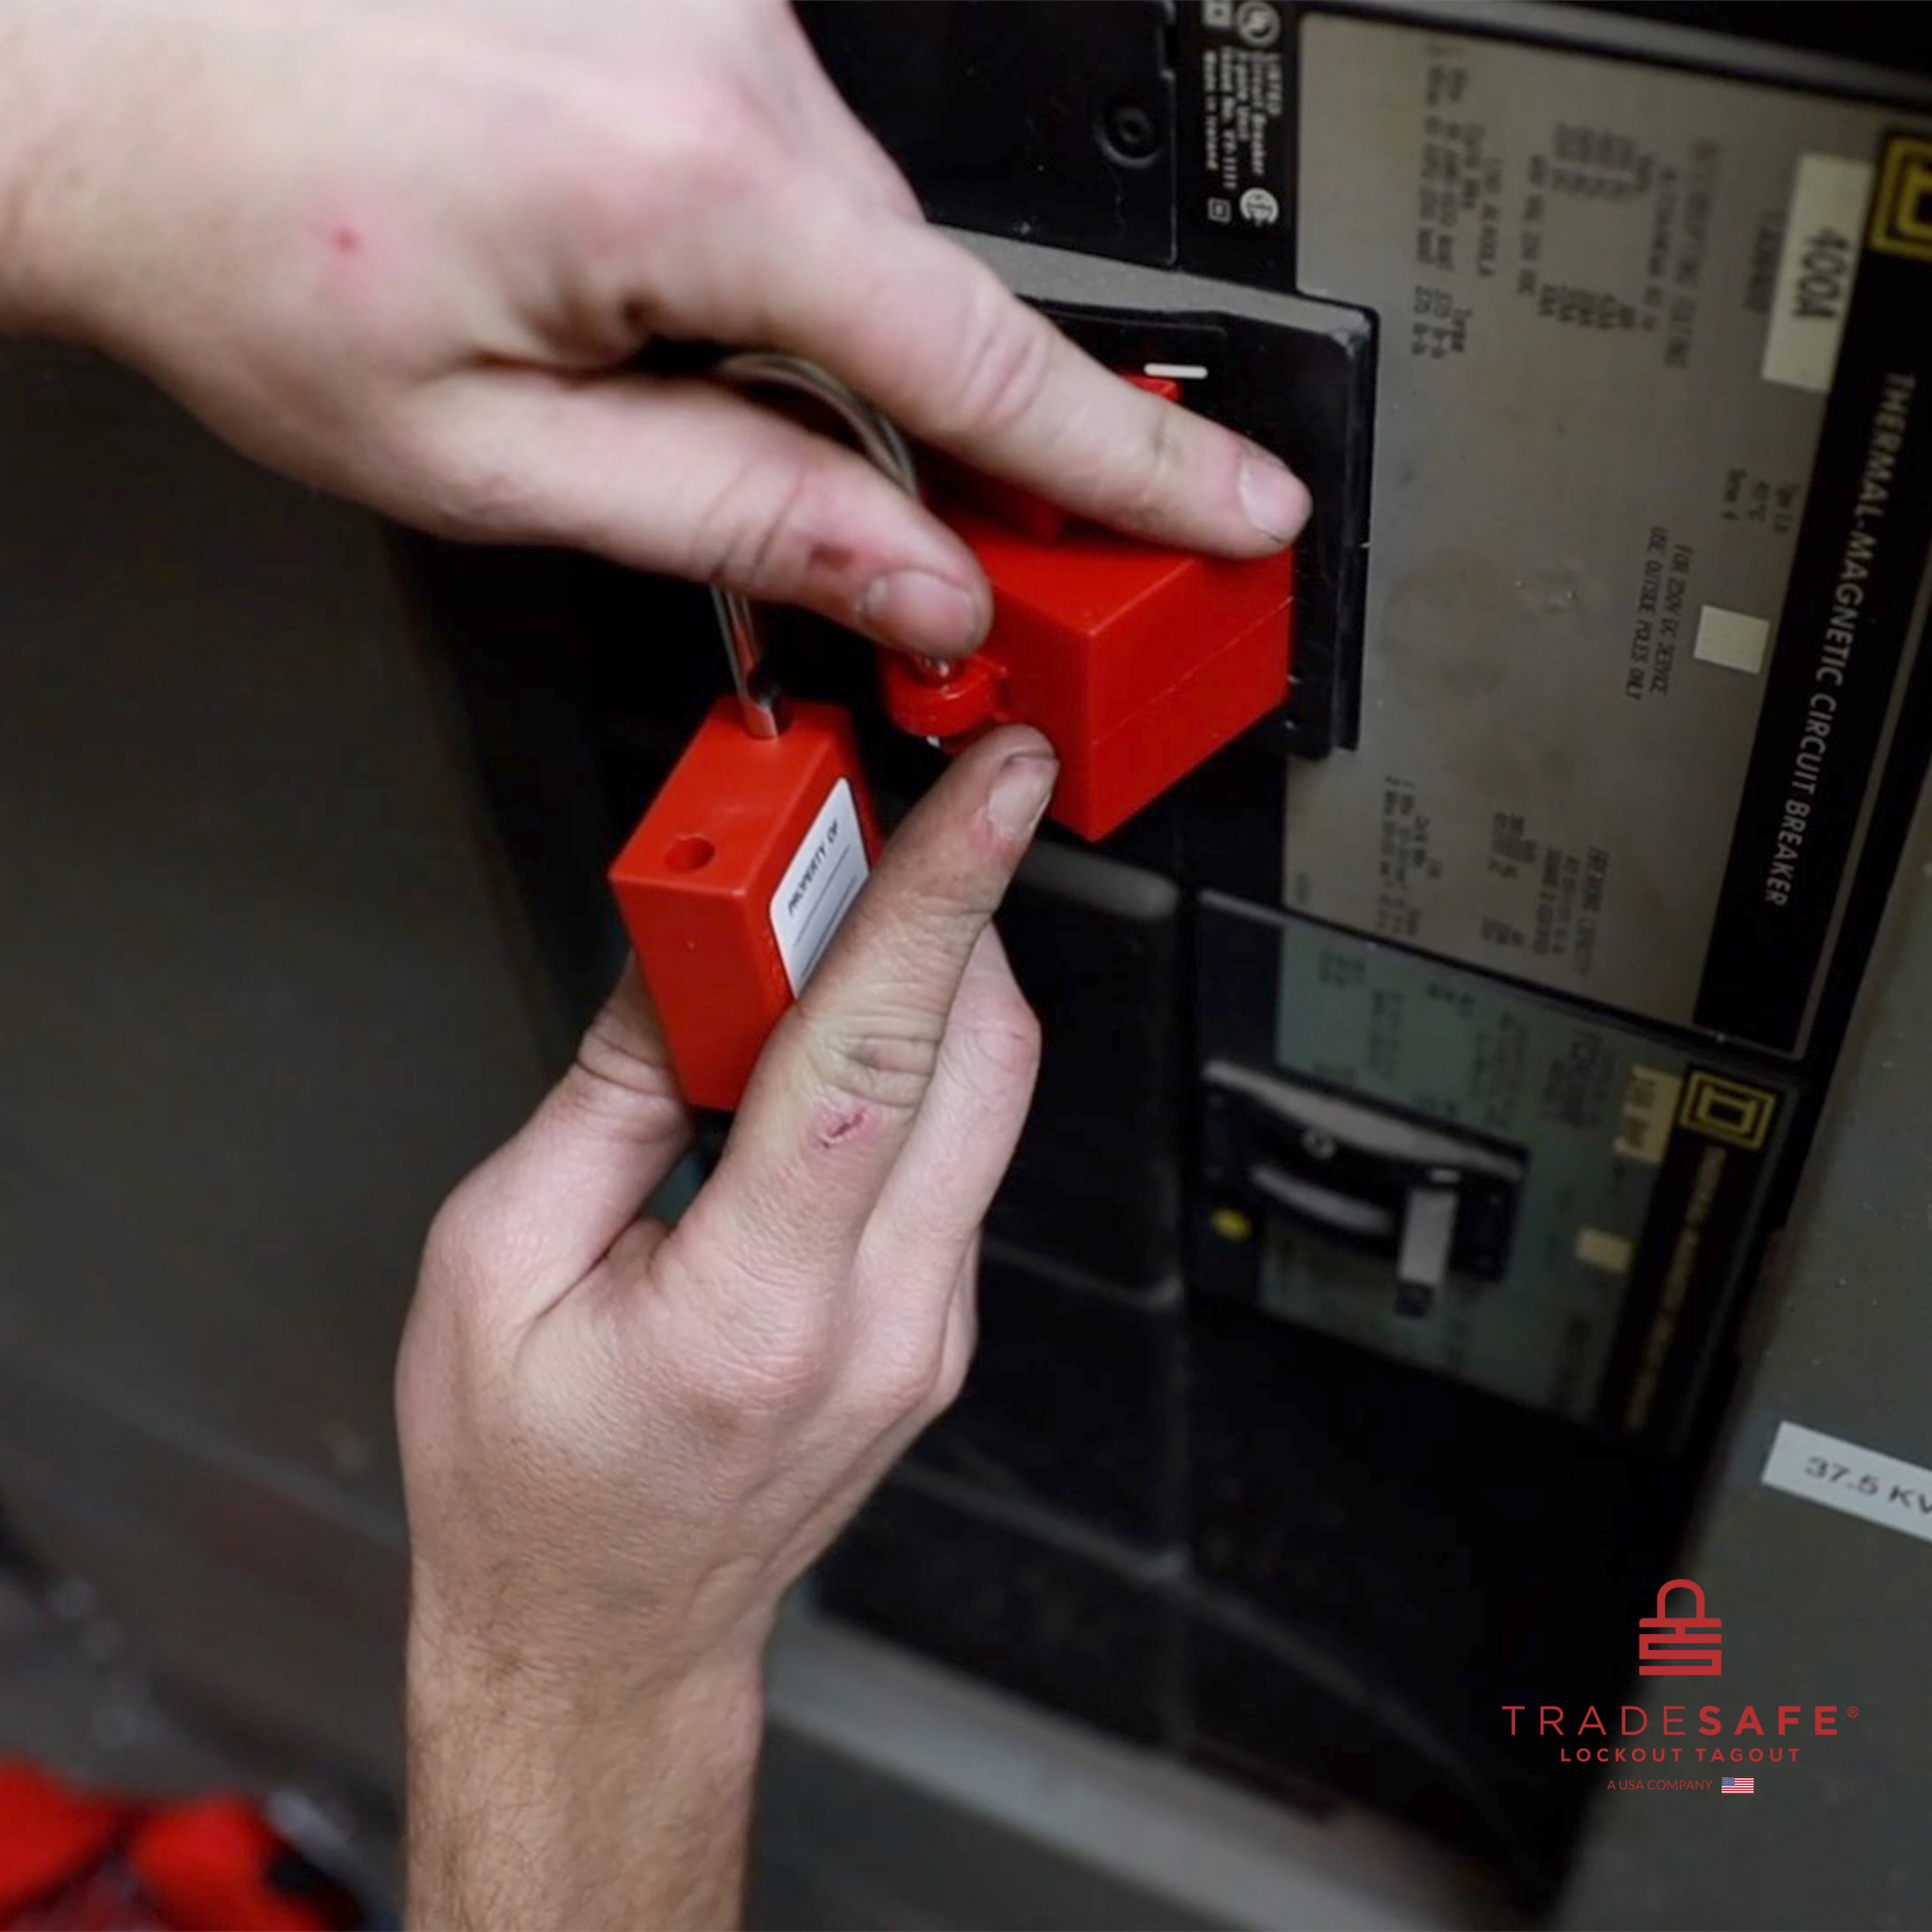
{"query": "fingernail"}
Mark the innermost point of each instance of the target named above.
(1276, 499)
(1021, 790)
(922, 612)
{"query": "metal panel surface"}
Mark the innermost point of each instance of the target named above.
(1598, 612)
(1818, 1607)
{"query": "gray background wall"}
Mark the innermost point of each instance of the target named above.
(260, 1002)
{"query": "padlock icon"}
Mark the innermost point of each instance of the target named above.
(1680, 1646)
(745, 866)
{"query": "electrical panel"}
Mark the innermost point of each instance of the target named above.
(1426, 1076)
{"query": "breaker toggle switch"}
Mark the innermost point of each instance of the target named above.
(1137, 662)
(1433, 1201)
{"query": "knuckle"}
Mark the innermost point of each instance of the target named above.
(880, 1063)
(711, 137)
(996, 1054)
(1003, 362)
(1147, 494)
(619, 1057)
(705, 140)
(469, 1254)
(464, 485)
(780, 1372)
(456, 1238)
(950, 1379)
(1009, 1040)
(904, 1384)
(629, 190)
(759, 533)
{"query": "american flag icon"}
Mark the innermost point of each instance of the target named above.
(1741, 1787)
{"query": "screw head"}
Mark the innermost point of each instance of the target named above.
(1131, 131)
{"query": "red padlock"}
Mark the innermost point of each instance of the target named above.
(748, 858)
(735, 880)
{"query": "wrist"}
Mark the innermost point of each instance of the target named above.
(537, 1797)
(533, 1689)
(565, 1663)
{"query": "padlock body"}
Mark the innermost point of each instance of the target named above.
(734, 881)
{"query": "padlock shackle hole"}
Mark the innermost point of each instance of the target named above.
(689, 852)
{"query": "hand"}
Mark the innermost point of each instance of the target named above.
(621, 1442)
(404, 250)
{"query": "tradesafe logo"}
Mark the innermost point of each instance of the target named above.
(1682, 1646)
(1687, 1644)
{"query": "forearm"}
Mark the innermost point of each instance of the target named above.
(549, 1807)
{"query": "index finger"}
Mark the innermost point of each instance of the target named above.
(840, 1081)
(931, 335)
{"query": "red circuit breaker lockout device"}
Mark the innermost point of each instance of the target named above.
(748, 858)
(1136, 662)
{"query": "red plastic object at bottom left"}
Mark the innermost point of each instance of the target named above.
(735, 880)
(76, 1859)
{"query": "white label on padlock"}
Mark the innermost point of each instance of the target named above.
(1859, 1481)
(819, 884)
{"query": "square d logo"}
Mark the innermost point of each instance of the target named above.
(1727, 1110)
(1901, 210)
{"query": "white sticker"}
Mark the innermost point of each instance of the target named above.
(1732, 639)
(1859, 1481)
(1648, 1113)
(819, 886)
(1820, 258)
(1601, 1249)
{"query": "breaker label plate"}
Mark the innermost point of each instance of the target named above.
(1844, 1476)
(1815, 271)
(1832, 684)
(1600, 532)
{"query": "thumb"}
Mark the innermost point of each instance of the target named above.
(682, 476)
